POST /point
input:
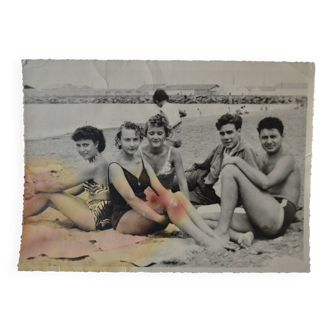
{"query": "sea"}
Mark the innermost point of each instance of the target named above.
(52, 120)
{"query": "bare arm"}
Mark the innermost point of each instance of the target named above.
(75, 190)
(284, 166)
(121, 184)
(71, 179)
(183, 185)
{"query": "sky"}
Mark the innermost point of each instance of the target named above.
(41, 74)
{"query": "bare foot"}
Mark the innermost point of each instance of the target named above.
(245, 239)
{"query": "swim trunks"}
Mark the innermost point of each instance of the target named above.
(289, 214)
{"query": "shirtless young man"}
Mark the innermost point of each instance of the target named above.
(269, 195)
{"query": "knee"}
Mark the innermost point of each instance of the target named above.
(229, 171)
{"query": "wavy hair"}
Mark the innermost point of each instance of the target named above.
(92, 133)
(271, 123)
(235, 119)
(158, 120)
(128, 125)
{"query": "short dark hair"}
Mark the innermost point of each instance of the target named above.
(158, 120)
(271, 123)
(128, 125)
(160, 95)
(235, 119)
(92, 133)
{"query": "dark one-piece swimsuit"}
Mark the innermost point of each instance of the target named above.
(138, 185)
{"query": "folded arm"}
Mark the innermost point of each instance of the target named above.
(121, 184)
(284, 166)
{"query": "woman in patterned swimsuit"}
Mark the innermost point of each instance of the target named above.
(92, 214)
(130, 176)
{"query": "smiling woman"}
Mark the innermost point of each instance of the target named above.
(46, 190)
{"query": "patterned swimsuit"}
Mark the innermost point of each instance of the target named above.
(138, 185)
(101, 209)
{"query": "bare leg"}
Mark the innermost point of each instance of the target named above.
(37, 204)
(133, 223)
(197, 219)
(262, 209)
(240, 230)
(72, 207)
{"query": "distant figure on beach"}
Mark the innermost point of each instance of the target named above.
(201, 177)
(130, 176)
(269, 194)
(173, 115)
(200, 112)
(165, 161)
(46, 190)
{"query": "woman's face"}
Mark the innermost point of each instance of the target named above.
(156, 136)
(87, 149)
(130, 141)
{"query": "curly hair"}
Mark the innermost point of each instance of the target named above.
(158, 120)
(160, 95)
(92, 133)
(128, 125)
(236, 120)
(271, 123)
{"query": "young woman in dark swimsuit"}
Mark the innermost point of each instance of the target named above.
(130, 176)
(49, 190)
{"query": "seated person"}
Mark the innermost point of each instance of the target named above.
(269, 194)
(201, 177)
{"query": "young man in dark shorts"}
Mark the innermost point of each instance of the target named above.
(269, 195)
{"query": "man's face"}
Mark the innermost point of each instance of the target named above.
(229, 135)
(271, 140)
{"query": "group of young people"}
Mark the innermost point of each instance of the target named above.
(144, 188)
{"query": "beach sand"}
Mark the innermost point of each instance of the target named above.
(51, 242)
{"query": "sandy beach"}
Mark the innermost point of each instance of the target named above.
(44, 235)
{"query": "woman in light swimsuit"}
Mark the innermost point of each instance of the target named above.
(130, 176)
(53, 191)
(165, 160)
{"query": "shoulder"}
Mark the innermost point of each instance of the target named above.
(175, 154)
(218, 148)
(287, 158)
(114, 167)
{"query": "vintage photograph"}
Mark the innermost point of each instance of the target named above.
(172, 166)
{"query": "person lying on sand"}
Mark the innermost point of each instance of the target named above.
(130, 176)
(165, 161)
(201, 177)
(269, 195)
(50, 191)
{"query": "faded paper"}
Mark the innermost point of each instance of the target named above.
(62, 95)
